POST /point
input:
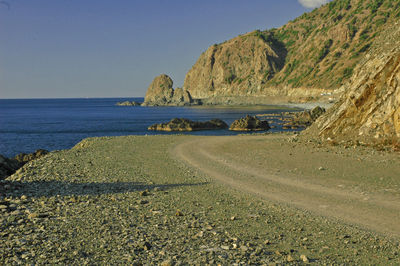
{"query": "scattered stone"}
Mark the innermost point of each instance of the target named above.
(24, 158)
(244, 248)
(144, 193)
(224, 247)
(33, 215)
(166, 263)
(290, 258)
(147, 246)
(178, 213)
(304, 258)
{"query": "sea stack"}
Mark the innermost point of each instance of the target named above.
(161, 93)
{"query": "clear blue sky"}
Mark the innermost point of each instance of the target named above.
(114, 48)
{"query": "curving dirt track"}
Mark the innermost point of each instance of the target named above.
(356, 186)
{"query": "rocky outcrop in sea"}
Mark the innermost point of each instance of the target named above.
(161, 93)
(128, 103)
(249, 123)
(182, 124)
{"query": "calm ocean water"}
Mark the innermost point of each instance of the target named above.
(53, 124)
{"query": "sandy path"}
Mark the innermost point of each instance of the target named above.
(322, 196)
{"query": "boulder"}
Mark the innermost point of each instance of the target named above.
(307, 117)
(128, 103)
(249, 123)
(182, 124)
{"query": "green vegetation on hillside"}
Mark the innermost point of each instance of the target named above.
(324, 45)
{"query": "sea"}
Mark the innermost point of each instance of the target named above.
(55, 124)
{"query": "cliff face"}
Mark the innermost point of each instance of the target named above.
(318, 50)
(370, 107)
(237, 67)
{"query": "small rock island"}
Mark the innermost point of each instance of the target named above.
(182, 124)
(249, 123)
(128, 103)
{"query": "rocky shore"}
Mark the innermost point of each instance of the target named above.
(128, 200)
(8, 166)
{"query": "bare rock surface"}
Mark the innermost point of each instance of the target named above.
(369, 111)
(161, 93)
(234, 68)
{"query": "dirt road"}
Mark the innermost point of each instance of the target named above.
(359, 186)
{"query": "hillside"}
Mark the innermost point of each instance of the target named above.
(318, 50)
(369, 111)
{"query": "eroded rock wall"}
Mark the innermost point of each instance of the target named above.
(370, 108)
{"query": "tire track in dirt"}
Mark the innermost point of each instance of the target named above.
(380, 213)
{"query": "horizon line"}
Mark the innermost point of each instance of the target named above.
(55, 98)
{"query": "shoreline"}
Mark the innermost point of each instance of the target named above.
(131, 200)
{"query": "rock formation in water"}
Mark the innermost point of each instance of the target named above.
(182, 124)
(249, 123)
(161, 93)
(128, 103)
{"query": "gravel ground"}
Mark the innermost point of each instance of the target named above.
(126, 200)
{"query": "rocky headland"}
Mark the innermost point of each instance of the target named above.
(182, 124)
(345, 51)
(310, 59)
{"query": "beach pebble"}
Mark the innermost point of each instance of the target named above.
(304, 258)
